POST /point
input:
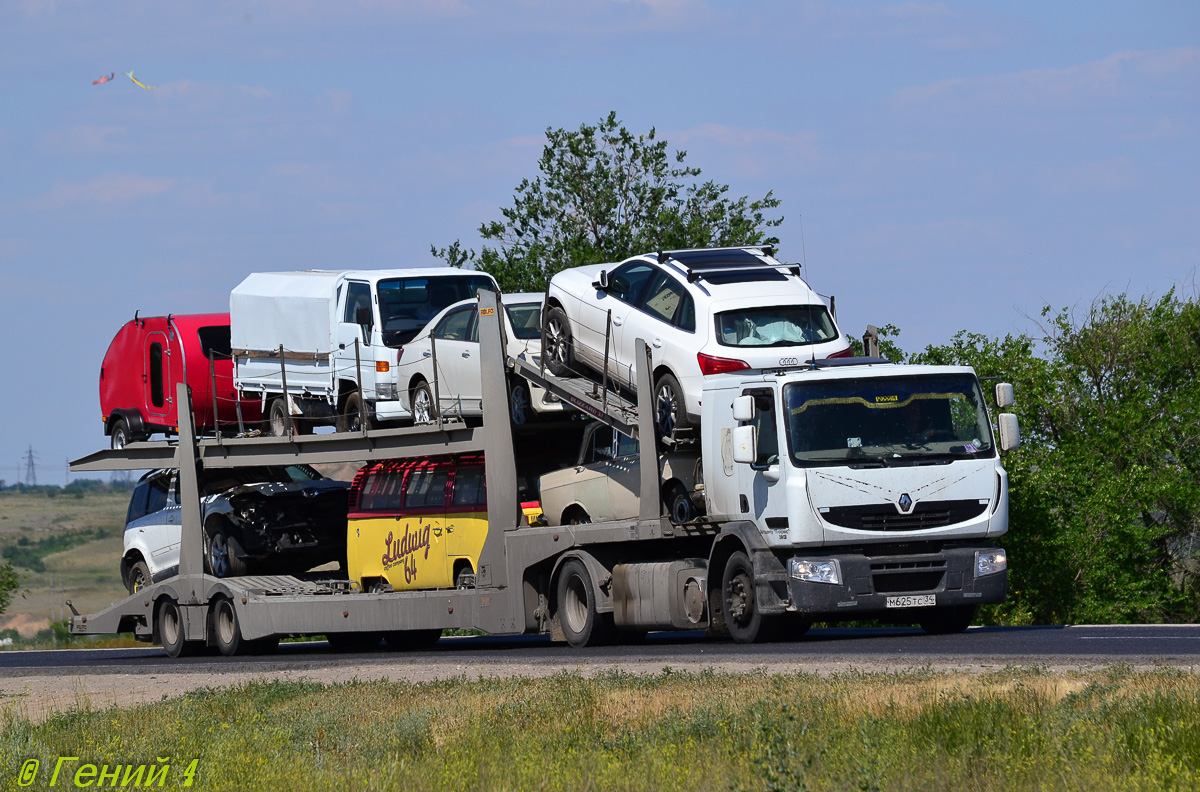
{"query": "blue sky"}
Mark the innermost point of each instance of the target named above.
(956, 165)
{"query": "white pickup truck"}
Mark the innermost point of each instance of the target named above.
(333, 339)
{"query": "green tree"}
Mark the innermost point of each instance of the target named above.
(10, 581)
(605, 194)
(1105, 491)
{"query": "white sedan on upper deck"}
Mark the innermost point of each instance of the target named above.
(701, 311)
(453, 336)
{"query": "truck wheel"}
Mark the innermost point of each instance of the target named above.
(226, 629)
(170, 631)
(670, 408)
(520, 406)
(947, 621)
(277, 418)
(745, 622)
(119, 434)
(351, 419)
(423, 409)
(556, 343)
(581, 623)
(139, 577)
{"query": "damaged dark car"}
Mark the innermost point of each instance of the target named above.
(283, 519)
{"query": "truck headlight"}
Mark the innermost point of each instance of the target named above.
(385, 391)
(816, 570)
(989, 562)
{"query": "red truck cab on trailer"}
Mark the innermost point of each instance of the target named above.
(146, 360)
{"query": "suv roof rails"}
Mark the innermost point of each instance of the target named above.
(703, 262)
(664, 255)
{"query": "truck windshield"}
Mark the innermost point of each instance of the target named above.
(887, 420)
(775, 326)
(407, 304)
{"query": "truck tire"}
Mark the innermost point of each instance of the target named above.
(948, 621)
(226, 630)
(170, 631)
(745, 621)
(670, 407)
(277, 418)
(556, 343)
(581, 623)
(424, 411)
(353, 415)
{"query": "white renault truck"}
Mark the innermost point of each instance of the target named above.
(841, 490)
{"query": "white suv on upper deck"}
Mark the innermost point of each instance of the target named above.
(702, 312)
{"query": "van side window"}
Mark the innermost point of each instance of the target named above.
(156, 374)
(137, 503)
(426, 489)
(157, 499)
(381, 491)
(469, 487)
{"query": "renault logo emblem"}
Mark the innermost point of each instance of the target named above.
(905, 503)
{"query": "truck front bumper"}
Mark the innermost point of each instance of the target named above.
(878, 585)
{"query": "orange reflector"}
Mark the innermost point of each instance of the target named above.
(383, 365)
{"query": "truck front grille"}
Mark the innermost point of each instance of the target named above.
(906, 577)
(884, 517)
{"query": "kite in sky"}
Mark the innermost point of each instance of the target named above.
(104, 79)
(129, 74)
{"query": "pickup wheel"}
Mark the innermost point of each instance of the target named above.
(423, 409)
(138, 577)
(948, 621)
(556, 343)
(670, 409)
(745, 622)
(170, 631)
(581, 623)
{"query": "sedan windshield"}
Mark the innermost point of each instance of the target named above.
(887, 420)
(775, 326)
(407, 304)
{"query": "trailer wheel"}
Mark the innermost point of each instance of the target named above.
(556, 342)
(227, 630)
(745, 622)
(423, 409)
(138, 577)
(170, 631)
(948, 621)
(119, 434)
(581, 623)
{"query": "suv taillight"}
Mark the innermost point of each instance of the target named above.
(718, 365)
(847, 352)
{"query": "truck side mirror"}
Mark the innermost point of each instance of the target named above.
(1010, 432)
(601, 281)
(362, 315)
(743, 408)
(1004, 395)
(745, 444)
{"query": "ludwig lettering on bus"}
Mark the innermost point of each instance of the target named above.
(404, 550)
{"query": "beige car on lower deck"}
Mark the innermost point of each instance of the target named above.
(603, 485)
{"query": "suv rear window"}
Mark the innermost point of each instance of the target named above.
(781, 325)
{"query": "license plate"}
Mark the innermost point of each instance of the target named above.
(911, 601)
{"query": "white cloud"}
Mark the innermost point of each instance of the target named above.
(753, 151)
(109, 188)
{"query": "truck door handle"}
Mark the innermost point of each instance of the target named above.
(426, 354)
(657, 343)
(466, 354)
(617, 322)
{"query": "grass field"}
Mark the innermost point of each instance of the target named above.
(87, 573)
(1018, 729)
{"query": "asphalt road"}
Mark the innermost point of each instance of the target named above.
(1176, 645)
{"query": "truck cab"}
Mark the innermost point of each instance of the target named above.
(856, 486)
